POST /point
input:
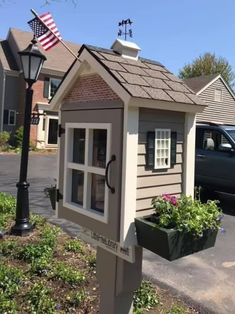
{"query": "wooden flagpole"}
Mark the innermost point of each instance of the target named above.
(61, 40)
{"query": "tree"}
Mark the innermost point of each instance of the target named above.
(208, 64)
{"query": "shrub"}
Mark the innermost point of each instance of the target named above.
(8, 247)
(7, 305)
(7, 203)
(40, 300)
(19, 136)
(68, 274)
(4, 138)
(31, 252)
(145, 298)
(49, 235)
(74, 246)
(10, 279)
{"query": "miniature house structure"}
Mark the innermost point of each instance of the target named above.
(127, 134)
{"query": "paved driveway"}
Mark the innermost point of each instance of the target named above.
(206, 278)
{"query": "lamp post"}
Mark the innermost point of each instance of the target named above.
(31, 60)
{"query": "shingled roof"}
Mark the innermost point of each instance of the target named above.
(145, 78)
(197, 83)
(6, 57)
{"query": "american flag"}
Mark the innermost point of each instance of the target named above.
(45, 30)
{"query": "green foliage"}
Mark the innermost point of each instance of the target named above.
(7, 305)
(37, 220)
(39, 300)
(175, 309)
(19, 136)
(74, 245)
(49, 235)
(7, 203)
(186, 214)
(75, 299)
(68, 274)
(8, 247)
(145, 298)
(91, 260)
(7, 209)
(31, 252)
(207, 64)
(4, 139)
(10, 279)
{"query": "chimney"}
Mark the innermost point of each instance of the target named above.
(126, 49)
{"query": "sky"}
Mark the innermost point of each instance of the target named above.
(173, 32)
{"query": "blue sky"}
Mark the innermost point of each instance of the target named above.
(173, 32)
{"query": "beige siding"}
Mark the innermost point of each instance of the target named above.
(223, 112)
(149, 182)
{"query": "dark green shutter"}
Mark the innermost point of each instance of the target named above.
(173, 148)
(46, 87)
(150, 150)
(5, 116)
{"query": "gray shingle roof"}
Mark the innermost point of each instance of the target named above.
(197, 83)
(145, 78)
(6, 57)
(58, 58)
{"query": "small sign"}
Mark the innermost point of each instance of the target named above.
(89, 236)
(35, 119)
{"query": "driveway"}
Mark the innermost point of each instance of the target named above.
(206, 279)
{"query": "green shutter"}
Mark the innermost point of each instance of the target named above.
(46, 87)
(173, 148)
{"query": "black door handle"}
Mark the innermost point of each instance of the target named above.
(112, 189)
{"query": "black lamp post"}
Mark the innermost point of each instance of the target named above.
(32, 60)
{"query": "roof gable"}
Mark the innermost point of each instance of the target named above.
(142, 78)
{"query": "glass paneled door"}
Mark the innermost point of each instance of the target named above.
(88, 158)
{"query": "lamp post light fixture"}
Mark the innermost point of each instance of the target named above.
(31, 60)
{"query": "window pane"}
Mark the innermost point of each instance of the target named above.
(97, 192)
(79, 146)
(54, 83)
(12, 117)
(77, 186)
(99, 148)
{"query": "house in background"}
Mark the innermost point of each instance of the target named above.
(218, 96)
(12, 87)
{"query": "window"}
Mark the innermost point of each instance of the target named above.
(9, 117)
(86, 155)
(162, 148)
(50, 86)
(212, 140)
(218, 95)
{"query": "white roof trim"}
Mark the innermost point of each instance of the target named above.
(212, 81)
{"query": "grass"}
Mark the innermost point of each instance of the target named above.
(51, 272)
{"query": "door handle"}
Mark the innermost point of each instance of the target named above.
(112, 189)
(201, 156)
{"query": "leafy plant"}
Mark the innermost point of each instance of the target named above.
(74, 245)
(68, 274)
(4, 138)
(7, 305)
(49, 235)
(40, 300)
(31, 252)
(10, 279)
(8, 247)
(186, 214)
(91, 260)
(145, 298)
(75, 299)
(175, 309)
(19, 136)
(7, 203)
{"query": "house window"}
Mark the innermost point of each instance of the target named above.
(87, 151)
(218, 95)
(9, 117)
(162, 149)
(50, 86)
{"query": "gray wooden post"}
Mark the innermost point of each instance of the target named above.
(118, 279)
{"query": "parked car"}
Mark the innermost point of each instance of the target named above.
(215, 157)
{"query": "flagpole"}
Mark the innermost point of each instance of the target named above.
(61, 40)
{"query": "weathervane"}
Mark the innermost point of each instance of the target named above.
(124, 23)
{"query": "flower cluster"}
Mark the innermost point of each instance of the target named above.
(186, 214)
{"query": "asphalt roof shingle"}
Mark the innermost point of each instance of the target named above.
(197, 83)
(144, 78)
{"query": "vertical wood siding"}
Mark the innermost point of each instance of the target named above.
(222, 112)
(151, 183)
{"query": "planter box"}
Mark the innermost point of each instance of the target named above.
(169, 243)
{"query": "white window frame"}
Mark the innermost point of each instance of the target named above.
(218, 96)
(49, 88)
(9, 114)
(47, 124)
(162, 148)
(85, 168)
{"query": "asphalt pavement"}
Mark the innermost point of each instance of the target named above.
(205, 279)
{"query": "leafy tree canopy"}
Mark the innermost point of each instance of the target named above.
(207, 64)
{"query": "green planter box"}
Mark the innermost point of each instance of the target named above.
(169, 243)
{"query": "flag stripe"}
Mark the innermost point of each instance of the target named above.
(45, 30)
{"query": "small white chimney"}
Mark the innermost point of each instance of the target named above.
(126, 49)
